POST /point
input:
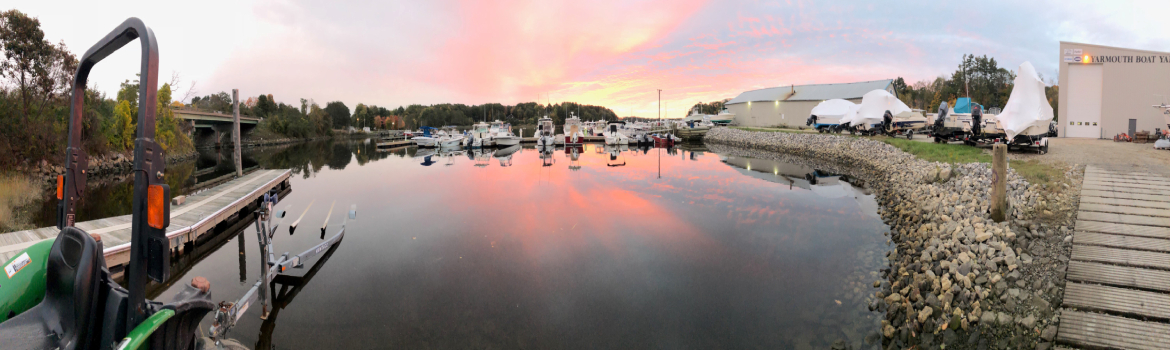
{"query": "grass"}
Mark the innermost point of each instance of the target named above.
(1036, 172)
(15, 191)
(938, 152)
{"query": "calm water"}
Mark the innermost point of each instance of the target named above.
(674, 249)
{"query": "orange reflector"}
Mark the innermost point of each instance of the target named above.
(60, 187)
(155, 206)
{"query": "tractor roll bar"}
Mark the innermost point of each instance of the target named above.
(149, 248)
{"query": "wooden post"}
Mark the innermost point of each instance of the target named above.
(999, 205)
(236, 131)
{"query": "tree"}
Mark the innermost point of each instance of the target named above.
(338, 114)
(124, 116)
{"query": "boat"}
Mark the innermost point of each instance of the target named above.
(503, 136)
(544, 132)
(724, 117)
(427, 138)
(875, 113)
(826, 116)
(905, 123)
(665, 140)
(481, 133)
(450, 140)
(1026, 116)
(613, 134)
(574, 130)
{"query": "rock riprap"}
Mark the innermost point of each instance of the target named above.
(952, 266)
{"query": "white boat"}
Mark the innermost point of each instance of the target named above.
(544, 132)
(1027, 114)
(427, 139)
(613, 134)
(451, 140)
(574, 130)
(481, 133)
(503, 136)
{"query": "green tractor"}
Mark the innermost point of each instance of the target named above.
(59, 293)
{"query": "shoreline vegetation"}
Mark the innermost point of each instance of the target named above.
(954, 277)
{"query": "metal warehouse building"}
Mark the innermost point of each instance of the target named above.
(791, 105)
(1105, 90)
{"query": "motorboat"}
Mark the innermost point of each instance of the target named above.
(665, 140)
(613, 134)
(905, 123)
(544, 132)
(574, 130)
(875, 113)
(826, 116)
(427, 138)
(481, 133)
(452, 140)
(1027, 114)
(723, 118)
(503, 136)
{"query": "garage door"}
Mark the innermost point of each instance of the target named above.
(1084, 101)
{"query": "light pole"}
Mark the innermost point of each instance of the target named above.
(660, 105)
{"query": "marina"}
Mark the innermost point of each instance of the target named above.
(855, 194)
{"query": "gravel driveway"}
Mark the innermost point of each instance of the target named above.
(1106, 154)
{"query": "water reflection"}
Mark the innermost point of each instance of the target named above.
(553, 248)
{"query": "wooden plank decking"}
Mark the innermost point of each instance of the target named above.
(1118, 294)
(200, 213)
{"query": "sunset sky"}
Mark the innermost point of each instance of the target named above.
(613, 53)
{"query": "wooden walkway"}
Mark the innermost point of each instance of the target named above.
(1118, 290)
(199, 214)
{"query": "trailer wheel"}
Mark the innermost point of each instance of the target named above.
(937, 140)
(909, 134)
(1044, 149)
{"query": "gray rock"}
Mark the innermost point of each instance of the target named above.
(1027, 322)
(1049, 332)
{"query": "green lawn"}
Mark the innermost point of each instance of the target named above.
(938, 152)
(1035, 172)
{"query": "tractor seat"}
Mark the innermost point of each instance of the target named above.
(72, 289)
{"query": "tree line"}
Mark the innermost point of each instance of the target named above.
(978, 77)
(36, 78)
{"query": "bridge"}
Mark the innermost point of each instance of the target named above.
(211, 129)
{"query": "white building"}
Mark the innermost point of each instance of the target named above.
(1105, 91)
(791, 105)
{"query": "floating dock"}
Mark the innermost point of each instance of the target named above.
(1119, 274)
(192, 222)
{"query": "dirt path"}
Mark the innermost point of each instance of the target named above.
(1105, 154)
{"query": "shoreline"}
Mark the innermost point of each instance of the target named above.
(954, 277)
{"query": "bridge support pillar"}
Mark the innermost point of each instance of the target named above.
(236, 132)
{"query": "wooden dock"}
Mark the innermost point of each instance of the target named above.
(200, 214)
(1118, 290)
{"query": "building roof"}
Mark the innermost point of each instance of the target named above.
(812, 92)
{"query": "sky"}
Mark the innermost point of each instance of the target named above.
(614, 53)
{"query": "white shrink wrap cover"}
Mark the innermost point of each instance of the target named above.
(874, 106)
(1027, 106)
